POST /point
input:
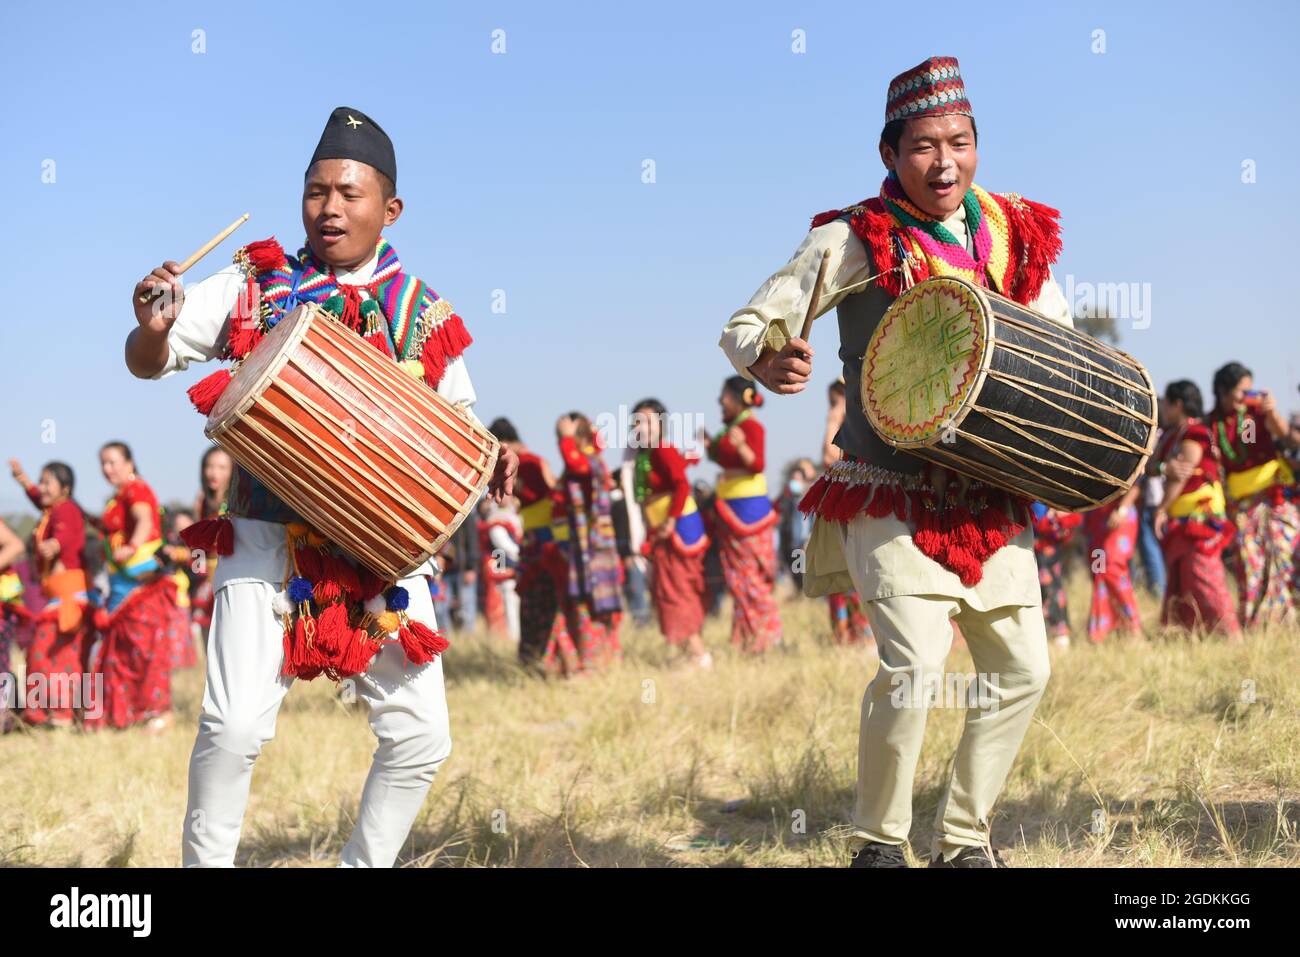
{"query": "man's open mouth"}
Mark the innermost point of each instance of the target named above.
(332, 234)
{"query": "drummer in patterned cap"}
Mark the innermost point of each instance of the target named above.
(929, 219)
(384, 637)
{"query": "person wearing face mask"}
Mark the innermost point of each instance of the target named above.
(62, 631)
(1248, 434)
(929, 219)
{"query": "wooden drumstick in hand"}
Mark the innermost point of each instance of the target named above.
(198, 254)
(815, 301)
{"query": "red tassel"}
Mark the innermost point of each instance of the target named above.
(882, 502)
(265, 255)
(205, 393)
(434, 362)
(420, 643)
(327, 591)
(245, 334)
(853, 501)
(332, 634)
(900, 504)
(287, 669)
(380, 341)
(310, 566)
(336, 569)
(453, 336)
(962, 563)
(212, 536)
(102, 618)
(361, 648)
(829, 507)
(927, 537)
(811, 499)
(992, 522)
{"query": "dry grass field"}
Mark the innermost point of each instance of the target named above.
(1163, 752)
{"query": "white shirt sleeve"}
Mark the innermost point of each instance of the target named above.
(199, 332)
(456, 385)
(775, 313)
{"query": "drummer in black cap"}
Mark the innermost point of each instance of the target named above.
(349, 198)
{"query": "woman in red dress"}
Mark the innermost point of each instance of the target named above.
(1249, 434)
(136, 623)
(1112, 537)
(61, 632)
(746, 539)
(676, 539)
(1191, 522)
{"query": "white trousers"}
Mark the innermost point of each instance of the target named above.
(408, 714)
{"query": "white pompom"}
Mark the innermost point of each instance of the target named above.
(281, 604)
(376, 605)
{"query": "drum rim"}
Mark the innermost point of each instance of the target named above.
(299, 325)
(955, 421)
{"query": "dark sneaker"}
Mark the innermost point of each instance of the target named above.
(972, 857)
(879, 855)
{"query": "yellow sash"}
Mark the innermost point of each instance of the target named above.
(743, 486)
(656, 509)
(1262, 477)
(1207, 499)
(537, 515)
(11, 586)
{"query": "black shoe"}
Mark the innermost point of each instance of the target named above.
(972, 857)
(873, 854)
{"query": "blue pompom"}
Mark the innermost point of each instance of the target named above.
(299, 590)
(397, 598)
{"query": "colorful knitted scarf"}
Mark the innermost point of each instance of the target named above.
(1016, 240)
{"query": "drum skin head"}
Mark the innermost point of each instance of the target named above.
(924, 363)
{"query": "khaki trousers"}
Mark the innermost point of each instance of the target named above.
(1008, 645)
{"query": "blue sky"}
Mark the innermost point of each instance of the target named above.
(522, 172)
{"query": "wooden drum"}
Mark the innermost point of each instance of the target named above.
(968, 379)
(373, 459)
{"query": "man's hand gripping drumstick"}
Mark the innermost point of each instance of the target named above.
(787, 371)
(157, 301)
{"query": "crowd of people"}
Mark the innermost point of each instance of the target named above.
(1217, 502)
(116, 595)
(112, 596)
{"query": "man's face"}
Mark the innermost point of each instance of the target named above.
(935, 162)
(344, 211)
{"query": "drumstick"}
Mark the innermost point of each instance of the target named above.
(816, 299)
(198, 254)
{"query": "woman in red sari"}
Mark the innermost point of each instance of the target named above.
(1191, 522)
(137, 621)
(676, 540)
(584, 634)
(746, 540)
(1248, 432)
(62, 630)
(1112, 537)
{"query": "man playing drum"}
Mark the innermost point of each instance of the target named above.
(349, 197)
(929, 220)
